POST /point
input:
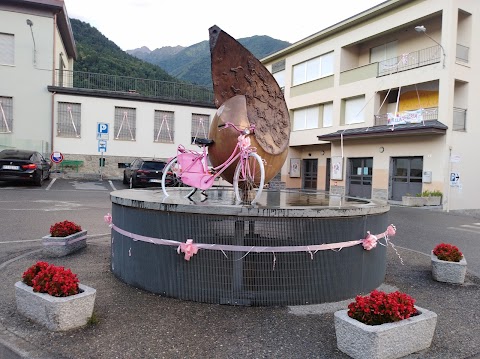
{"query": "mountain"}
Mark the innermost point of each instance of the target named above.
(189, 64)
(98, 54)
(192, 64)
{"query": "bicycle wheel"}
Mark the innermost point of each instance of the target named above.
(249, 178)
(171, 178)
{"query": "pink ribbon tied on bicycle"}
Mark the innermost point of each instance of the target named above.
(189, 248)
(244, 141)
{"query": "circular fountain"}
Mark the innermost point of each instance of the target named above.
(293, 247)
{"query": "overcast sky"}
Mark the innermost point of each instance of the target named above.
(155, 23)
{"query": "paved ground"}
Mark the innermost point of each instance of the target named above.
(136, 324)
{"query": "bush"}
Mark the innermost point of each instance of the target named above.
(379, 307)
(48, 278)
(448, 252)
(64, 229)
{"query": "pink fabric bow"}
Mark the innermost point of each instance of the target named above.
(108, 219)
(244, 141)
(189, 248)
(369, 242)
(391, 230)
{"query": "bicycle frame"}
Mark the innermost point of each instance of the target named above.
(200, 176)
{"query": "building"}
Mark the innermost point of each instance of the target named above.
(48, 107)
(383, 104)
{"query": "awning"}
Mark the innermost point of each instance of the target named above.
(430, 127)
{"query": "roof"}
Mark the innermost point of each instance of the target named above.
(56, 7)
(428, 127)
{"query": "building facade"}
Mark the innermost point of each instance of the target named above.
(48, 107)
(383, 104)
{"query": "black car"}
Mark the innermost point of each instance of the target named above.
(145, 172)
(23, 165)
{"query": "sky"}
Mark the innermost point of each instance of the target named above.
(155, 23)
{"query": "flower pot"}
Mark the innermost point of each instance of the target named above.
(385, 341)
(55, 313)
(62, 246)
(433, 200)
(448, 272)
(414, 201)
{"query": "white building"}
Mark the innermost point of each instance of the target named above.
(383, 104)
(47, 107)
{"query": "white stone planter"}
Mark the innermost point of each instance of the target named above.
(414, 201)
(386, 341)
(448, 272)
(55, 313)
(62, 246)
(433, 200)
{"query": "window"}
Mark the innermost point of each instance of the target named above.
(125, 123)
(382, 53)
(6, 114)
(354, 110)
(278, 71)
(200, 126)
(163, 127)
(69, 119)
(305, 118)
(313, 69)
(328, 114)
(7, 49)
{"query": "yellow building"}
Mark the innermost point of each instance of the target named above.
(383, 103)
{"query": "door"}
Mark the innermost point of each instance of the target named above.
(360, 177)
(310, 169)
(327, 175)
(406, 176)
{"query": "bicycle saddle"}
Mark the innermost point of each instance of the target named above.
(203, 141)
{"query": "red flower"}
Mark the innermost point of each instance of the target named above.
(47, 278)
(64, 229)
(380, 307)
(448, 252)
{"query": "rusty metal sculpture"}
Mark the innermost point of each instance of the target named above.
(235, 71)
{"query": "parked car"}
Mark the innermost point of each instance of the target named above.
(144, 172)
(23, 165)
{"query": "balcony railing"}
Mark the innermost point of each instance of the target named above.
(143, 87)
(430, 113)
(411, 60)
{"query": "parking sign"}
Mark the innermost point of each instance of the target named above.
(102, 131)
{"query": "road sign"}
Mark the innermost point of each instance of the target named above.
(56, 157)
(102, 146)
(454, 179)
(102, 131)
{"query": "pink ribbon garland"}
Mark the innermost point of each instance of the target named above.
(190, 248)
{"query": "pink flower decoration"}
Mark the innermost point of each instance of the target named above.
(391, 230)
(189, 248)
(369, 242)
(108, 219)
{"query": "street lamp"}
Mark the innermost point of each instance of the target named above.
(423, 30)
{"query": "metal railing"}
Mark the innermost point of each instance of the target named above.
(135, 86)
(411, 60)
(459, 119)
(428, 114)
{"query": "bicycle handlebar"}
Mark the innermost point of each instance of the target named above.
(245, 131)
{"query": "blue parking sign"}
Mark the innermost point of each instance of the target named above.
(102, 131)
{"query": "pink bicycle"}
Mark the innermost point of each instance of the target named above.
(190, 168)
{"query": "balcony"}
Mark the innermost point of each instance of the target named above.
(409, 61)
(162, 90)
(430, 113)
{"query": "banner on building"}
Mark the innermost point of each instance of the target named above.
(402, 118)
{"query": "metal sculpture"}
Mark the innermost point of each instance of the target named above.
(236, 71)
